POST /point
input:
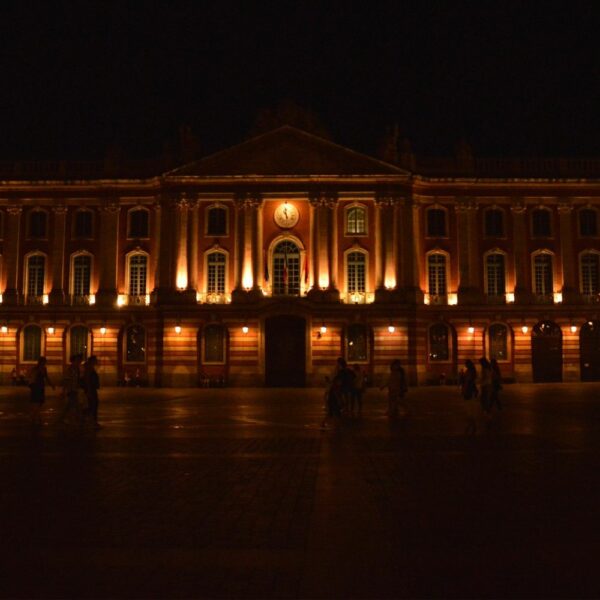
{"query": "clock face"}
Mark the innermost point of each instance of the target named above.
(286, 215)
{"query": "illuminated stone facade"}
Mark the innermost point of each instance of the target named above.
(264, 262)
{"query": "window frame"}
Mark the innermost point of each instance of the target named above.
(367, 331)
(90, 340)
(22, 358)
(207, 256)
(534, 255)
(213, 206)
(78, 211)
(446, 255)
(130, 212)
(129, 256)
(582, 254)
(74, 256)
(550, 233)
(488, 344)
(30, 213)
(26, 258)
(444, 210)
(347, 210)
(347, 254)
(135, 362)
(203, 343)
(595, 212)
(502, 213)
(486, 256)
(450, 338)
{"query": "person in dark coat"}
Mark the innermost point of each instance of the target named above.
(468, 388)
(38, 378)
(91, 385)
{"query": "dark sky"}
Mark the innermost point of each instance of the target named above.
(511, 77)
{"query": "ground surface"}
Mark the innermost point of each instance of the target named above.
(237, 493)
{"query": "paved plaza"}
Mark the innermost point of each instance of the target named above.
(238, 494)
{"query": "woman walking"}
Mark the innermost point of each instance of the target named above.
(91, 385)
(38, 378)
(496, 384)
(397, 388)
(486, 386)
(71, 385)
(468, 386)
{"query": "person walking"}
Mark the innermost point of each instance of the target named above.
(468, 387)
(486, 386)
(397, 388)
(91, 385)
(496, 384)
(359, 385)
(71, 386)
(333, 394)
(38, 378)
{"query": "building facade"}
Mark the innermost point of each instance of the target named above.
(263, 263)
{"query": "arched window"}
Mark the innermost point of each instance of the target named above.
(543, 279)
(38, 224)
(216, 268)
(83, 224)
(494, 222)
(439, 342)
(286, 269)
(82, 272)
(498, 341)
(588, 222)
(138, 223)
(137, 274)
(357, 343)
(135, 344)
(495, 274)
(436, 222)
(80, 341)
(36, 273)
(436, 274)
(356, 220)
(32, 343)
(541, 222)
(590, 273)
(356, 272)
(214, 344)
(216, 221)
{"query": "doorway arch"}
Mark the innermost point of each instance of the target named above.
(589, 351)
(546, 352)
(285, 351)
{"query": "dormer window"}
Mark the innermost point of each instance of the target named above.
(83, 226)
(138, 224)
(494, 222)
(436, 222)
(38, 224)
(356, 220)
(541, 223)
(216, 221)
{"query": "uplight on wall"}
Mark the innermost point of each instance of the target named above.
(453, 299)
(45, 299)
(510, 297)
(121, 300)
(557, 297)
(92, 299)
(181, 281)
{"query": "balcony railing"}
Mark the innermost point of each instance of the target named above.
(436, 299)
(358, 297)
(82, 299)
(135, 300)
(591, 298)
(543, 299)
(213, 298)
(36, 300)
(496, 298)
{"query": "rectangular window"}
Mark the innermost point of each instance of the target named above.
(590, 274)
(81, 275)
(437, 275)
(83, 224)
(217, 221)
(137, 275)
(216, 273)
(541, 224)
(35, 276)
(542, 275)
(494, 223)
(356, 272)
(138, 224)
(495, 275)
(436, 222)
(356, 221)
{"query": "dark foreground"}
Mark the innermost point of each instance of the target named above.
(237, 493)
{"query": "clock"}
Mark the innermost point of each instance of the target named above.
(286, 215)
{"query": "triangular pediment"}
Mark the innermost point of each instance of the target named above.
(289, 152)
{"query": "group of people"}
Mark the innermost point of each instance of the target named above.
(346, 387)
(81, 378)
(488, 393)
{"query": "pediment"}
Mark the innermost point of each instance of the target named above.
(289, 152)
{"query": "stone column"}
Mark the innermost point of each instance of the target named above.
(181, 260)
(57, 293)
(109, 234)
(314, 239)
(332, 247)
(11, 255)
(240, 244)
(570, 268)
(522, 291)
(257, 246)
(156, 258)
(193, 247)
(411, 252)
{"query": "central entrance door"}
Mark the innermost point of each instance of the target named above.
(546, 352)
(285, 351)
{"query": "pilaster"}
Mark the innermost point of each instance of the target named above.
(109, 234)
(570, 292)
(522, 291)
(57, 293)
(12, 253)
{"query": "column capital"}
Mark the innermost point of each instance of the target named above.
(111, 207)
(59, 209)
(518, 207)
(325, 199)
(564, 207)
(382, 200)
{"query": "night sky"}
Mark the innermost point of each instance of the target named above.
(512, 78)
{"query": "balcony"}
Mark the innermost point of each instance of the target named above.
(436, 299)
(358, 297)
(495, 299)
(82, 299)
(36, 300)
(591, 298)
(543, 299)
(133, 300)
(213, 298)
